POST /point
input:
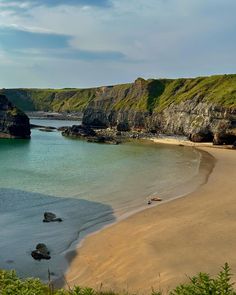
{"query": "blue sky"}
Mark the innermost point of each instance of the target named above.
(84, 43)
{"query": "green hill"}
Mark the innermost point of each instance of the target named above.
(142, 95)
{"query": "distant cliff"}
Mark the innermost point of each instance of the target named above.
(58, 100)
(204, 108)
(13, 122)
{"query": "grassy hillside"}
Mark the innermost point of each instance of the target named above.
(151, 95)
(220, 90)
(49, 99)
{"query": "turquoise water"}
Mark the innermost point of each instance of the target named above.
(86, 184)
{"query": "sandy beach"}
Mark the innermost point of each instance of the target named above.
(159, 247)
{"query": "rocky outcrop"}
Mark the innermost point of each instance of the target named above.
(79, 131)
(13, 122)
(87, 133)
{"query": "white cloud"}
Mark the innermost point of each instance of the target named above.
(158, 37)
(12, 4)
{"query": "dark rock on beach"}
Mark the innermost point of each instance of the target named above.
(41, 252)
(201, 137)
(223, 137)
(13, 122)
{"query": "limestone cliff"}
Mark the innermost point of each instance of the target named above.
(202, 108)
(13, 122)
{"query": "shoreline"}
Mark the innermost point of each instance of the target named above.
(185, 142)
(85, 278)
(180, 191)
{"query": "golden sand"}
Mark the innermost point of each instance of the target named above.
(159, 246)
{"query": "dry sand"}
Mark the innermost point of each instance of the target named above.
(159, 246)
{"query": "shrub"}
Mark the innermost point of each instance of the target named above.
(202, 284)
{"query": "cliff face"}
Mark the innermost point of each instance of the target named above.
(201, 108)
(13, 122)
(200, 121)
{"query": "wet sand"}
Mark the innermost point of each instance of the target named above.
(161, 246)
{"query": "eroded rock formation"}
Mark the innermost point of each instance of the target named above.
(13, 122)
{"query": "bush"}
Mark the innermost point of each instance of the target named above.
(202, 284)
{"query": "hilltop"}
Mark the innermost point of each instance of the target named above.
(142, 95)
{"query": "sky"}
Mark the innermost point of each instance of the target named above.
(86, 43)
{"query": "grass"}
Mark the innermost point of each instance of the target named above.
(201, 284)
(153, 95)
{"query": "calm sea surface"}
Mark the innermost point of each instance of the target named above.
(86, 184)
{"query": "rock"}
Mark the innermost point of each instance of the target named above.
(221, 138)
(42, 248)
(51, 217)
(13, 122)
(79, 131)
(123, 126)
(41, 252)
(217, 140)
(46, 129)
(153, 131)
(63, 128)
(201, 136)
(86, 132)
(104, 139)
(42, 128)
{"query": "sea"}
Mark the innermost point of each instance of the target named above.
(88, 185)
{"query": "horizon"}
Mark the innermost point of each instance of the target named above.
(92, 43)
(111, 85)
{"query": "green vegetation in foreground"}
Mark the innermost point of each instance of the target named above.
(202, 284)
(153, 95)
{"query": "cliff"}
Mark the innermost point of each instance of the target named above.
(202, 108)
(13, 122)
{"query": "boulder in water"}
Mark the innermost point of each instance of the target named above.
(51, 217)
(41, 252)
